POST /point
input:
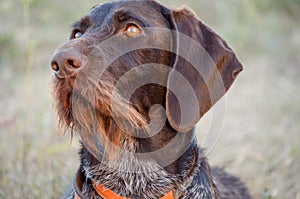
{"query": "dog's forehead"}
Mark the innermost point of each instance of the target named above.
(100, 12)
(147, 9)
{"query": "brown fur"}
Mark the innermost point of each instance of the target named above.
(88, 100)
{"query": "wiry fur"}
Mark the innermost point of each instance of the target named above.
(83, 99)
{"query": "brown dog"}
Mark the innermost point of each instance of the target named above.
(133, 80)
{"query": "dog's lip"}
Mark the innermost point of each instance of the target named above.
(58, 75)
(61, 75)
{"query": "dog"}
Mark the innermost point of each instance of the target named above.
(132, 81)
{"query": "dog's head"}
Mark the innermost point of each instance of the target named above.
(130, 63)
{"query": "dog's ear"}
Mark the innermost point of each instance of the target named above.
(203, 69)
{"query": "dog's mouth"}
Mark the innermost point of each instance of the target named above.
(90, 107)
(84, 102)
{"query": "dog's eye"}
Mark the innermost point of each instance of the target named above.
(77, 34)
(132, 31)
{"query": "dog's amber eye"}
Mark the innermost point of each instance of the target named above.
(132, 31)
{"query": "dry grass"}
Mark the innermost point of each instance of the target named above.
(260, 139)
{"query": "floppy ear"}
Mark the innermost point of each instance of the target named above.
(203, 69)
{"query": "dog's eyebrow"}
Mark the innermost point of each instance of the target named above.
(127, 15)
(83, 23)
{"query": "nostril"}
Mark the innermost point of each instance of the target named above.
(71, 63)
(75, 63)
(54, 66)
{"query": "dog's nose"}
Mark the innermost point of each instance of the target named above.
(67, 62)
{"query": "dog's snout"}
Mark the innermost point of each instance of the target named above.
(67, 62)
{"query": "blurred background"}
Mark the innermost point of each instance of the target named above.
(261, 132)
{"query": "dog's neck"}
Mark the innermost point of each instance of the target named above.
(136, 177)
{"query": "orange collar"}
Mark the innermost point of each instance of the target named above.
(109, 194)
(102, 191)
